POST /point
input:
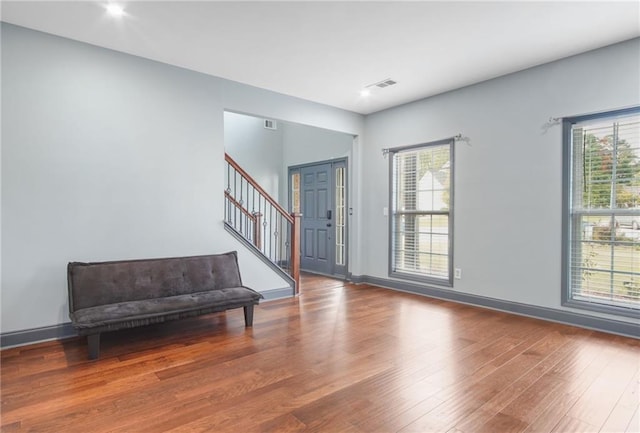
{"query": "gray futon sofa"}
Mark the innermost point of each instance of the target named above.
(107, 296)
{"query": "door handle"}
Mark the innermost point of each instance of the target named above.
(328, 215)
(328, 224)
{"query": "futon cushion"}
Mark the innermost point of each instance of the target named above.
(96, 284)
(142, 309)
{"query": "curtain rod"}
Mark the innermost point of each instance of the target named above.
(457, 137)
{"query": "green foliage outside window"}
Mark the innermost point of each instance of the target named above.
(598, 173)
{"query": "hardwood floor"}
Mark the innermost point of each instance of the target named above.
(339, 358)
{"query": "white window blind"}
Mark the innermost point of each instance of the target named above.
(421, 212)
(604, 212)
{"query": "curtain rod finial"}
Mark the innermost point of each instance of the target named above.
(550, 123)
(461, 137)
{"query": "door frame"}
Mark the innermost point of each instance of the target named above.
(343, 270)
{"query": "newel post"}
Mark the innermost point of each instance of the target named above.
(295, 250)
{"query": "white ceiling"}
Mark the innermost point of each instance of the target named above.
(327, 51)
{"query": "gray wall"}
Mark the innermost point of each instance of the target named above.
(110, 156)
(508, 179)
(303, 145)
(267, 154)
(258, 150)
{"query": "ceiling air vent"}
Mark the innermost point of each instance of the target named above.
(380, 84)
(270, 124)
(385, 83)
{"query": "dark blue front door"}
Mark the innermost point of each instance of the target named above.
(316, 197)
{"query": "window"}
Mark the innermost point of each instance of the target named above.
(340, 215)
(421, 212)
(295, 192)
(601, 248)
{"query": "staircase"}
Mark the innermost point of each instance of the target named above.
(256, 219)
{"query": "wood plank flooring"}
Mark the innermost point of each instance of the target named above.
(339, 358)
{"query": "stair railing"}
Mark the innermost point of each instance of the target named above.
(257, 217)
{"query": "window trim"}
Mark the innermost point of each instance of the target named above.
(390, 250)
(566, 299)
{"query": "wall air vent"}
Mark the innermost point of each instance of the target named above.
(270, 124)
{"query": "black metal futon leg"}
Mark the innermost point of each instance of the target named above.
(93, 341)
(248, 315)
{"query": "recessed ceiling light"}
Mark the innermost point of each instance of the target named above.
(115, 10)
(365, 92)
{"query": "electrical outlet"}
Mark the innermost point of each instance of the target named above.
(457, 273)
